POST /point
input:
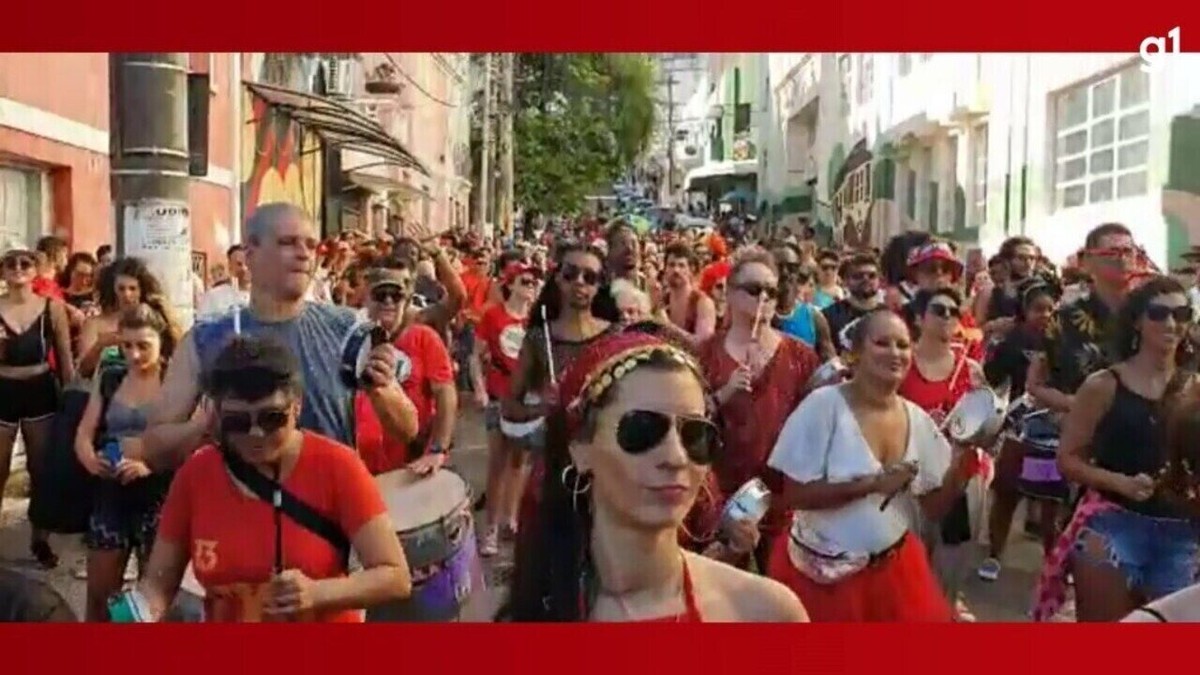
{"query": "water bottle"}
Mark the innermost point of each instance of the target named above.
(129, 607)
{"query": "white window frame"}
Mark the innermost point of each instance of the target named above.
(865, 79)
(1115, 145)
(39, 209)
(978, 152)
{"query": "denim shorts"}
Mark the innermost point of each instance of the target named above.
(1157, 556)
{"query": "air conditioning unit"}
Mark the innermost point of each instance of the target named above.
(339, 77)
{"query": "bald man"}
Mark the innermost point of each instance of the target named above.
(281, 245)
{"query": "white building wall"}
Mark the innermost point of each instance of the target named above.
(1016, 93)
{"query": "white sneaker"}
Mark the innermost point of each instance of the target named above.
(989, 570)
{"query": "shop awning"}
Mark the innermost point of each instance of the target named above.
(713, 170)
(337, 124)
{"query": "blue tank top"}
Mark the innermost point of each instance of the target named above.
(317, 337)
(800, 324)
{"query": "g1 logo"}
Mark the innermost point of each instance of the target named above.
(1154, 48)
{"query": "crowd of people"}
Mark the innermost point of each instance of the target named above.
(636, 387)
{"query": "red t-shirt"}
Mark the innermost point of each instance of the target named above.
(478, 287)
(503, 334)
(231, 535)
(428, 363)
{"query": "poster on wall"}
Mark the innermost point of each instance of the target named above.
(200, 266)
(159, 231)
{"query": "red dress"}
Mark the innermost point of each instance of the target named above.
(751, 421)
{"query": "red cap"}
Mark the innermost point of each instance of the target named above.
(935, 251)
(514, 271)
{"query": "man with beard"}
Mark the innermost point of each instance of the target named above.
(446, 297)
(860, 273)
(623, 258)
(684, 305)
(1020, 256)
(281, 254)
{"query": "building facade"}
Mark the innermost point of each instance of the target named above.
(978, 147)
(54, 151)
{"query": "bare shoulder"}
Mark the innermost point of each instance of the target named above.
(727, 594)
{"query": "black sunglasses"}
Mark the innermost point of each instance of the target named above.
(864, 276)
(640, 431)
(758, 290)
(382, 295)
(19, 263)
(572, 273)
(269, 420)
(527, 282)
(942, 311)
(1181, 314)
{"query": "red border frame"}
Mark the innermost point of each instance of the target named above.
(612, 25)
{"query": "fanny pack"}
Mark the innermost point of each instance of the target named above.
(821, 562)
(289, 504)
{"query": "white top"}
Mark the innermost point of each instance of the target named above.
(221, 299)
(821, 440)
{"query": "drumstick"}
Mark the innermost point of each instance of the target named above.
(237, 309)
(549, 347)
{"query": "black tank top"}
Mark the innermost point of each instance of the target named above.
(1129, 440)
(30, 347)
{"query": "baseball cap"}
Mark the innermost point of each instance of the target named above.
(380, 276)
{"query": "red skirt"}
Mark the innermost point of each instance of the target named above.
(899, 588)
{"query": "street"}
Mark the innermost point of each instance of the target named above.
(1004, 600)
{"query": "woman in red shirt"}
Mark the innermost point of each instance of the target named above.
(940, 374)
(760, 375)
(255, 562)
(498, 339)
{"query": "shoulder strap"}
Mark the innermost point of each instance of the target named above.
(304, 515)
(110, 381)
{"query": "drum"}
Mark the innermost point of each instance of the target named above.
(433, 520)
(530, 434)
(977, 418)
(1040, 478)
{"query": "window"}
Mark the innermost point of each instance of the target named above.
(741, 118)
(906, 64)
(979, 178)
(21, 218)
(928, 190)
(866, 78)
(845, 69)
(1102, 140)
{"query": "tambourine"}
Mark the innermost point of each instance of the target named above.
(977, 418)
(357, 351)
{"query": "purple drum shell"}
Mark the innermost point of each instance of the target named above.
(1040, 470)
(445, 588)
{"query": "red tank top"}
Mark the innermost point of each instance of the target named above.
(938, 397)
(691, 613)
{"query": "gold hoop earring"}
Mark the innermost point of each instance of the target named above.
(577, 486)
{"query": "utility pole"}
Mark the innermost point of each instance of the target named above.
(148, 142)
(485, 151)
(507, 179)
(671, 138)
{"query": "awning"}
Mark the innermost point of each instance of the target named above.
(337, 124)
(746, 167)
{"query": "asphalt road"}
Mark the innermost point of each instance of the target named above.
(1004, 600)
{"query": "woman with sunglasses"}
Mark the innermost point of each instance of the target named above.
(128, 498)
(35, 361)
(934, 266)
(1127, 543)
(828, 286)
(628, 449)
(498, 339)
(863, 467)
(78, 281)
(940, 374)
(760, 376)
(426, 376)
(257, 563)
(574, 310)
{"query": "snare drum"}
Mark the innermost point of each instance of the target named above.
(1040, 478)
(433, 520)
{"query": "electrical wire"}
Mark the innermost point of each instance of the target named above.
(414, 83)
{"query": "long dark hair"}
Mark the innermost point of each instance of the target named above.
(604, 306)
(554, 578)
(134, 268)
(893, 264)
(76, 259)
(1126, 340)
